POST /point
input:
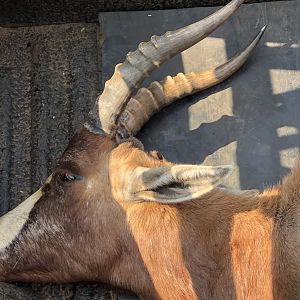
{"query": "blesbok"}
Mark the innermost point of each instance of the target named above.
(113, 213)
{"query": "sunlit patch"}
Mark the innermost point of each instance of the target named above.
(275, 44)
(288, 157)
(295, 46)
(284, 81)
(210, 52)
(227, 155)
(211, 109)
(280, 45)
(286, 131)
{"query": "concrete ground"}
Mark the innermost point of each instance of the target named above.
(49, 79)
(50, 75)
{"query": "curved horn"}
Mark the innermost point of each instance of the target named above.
(149, 101)
(150, 55)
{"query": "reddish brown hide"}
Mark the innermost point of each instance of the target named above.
(219, 246)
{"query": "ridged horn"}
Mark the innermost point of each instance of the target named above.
(150, 55)
(151, 100)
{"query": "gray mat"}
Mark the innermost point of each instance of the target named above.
(252, 120)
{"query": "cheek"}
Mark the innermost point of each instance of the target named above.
(90, 186)
(82, 190)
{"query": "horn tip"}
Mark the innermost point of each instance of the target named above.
(260, 33)
(264, 28)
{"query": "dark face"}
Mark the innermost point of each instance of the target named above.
(81, 173)
(81, 206)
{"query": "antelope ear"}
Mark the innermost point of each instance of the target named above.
(178, 183)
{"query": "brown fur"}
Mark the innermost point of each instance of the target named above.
(221, 246)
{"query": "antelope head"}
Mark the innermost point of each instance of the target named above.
(76, 226)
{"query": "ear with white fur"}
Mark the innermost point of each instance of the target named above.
(177, 183)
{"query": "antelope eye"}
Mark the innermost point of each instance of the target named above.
(68, 177)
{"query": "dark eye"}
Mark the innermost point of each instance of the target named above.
(68, 177)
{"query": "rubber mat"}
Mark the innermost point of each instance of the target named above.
(252, 119)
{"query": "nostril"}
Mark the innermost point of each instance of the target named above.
(68, 177)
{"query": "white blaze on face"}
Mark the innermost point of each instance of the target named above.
(12, 223)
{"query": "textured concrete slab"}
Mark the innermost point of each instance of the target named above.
(49, 79)
(57, 292)
(27, 12)
(12, 291)
(250, 121)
